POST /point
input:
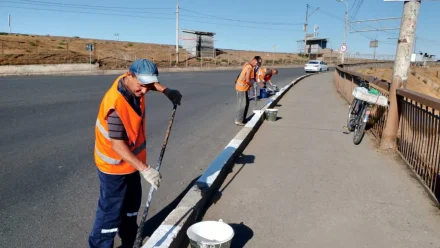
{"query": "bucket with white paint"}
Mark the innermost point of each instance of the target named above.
(210, 234)
(271, 114)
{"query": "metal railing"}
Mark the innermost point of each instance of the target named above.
(418, 140)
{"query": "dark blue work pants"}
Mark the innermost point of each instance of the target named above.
(119, 202)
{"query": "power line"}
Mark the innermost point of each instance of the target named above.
(234, 25)
(87, 6)
(242, 21)
(357, 10)
(91, 8)
(134, 16)
(342, 20)
(87, 12)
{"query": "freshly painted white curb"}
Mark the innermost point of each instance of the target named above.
(167, 232)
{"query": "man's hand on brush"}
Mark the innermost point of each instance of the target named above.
(152, 176)
(174, 95)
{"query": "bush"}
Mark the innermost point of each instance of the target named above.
(32, 43)
(61, 43)
(60, 47)
(424, 80)
(3, 33)
(130, 44)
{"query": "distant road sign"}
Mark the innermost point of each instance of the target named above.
(90, 47)
(343, 48)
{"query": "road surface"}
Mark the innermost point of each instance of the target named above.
(49, 185)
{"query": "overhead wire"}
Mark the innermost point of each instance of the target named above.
(242, 21)
(159, 16)
(83, 5)
(87, 12)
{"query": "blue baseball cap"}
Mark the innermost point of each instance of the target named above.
(145, 70)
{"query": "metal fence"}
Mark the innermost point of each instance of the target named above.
(419, 138)
(419, 129)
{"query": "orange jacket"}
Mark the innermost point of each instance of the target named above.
(262, 75)
(106, 159)
(240, 84)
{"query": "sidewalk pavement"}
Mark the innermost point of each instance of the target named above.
(301, 182)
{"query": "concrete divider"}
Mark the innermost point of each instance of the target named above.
(84, 69)
(8, 70)
(172, 231)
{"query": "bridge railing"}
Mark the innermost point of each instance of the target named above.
(418, 141)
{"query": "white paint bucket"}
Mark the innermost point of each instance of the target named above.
(271, 114)
(210, 234)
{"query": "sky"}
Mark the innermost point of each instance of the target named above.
(246, 25)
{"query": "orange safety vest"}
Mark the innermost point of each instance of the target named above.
(240, 84)
(261, 75)
(106, 159)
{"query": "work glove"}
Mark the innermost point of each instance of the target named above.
(152, 176)
(173, 95)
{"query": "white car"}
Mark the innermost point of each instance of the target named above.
(315, 66)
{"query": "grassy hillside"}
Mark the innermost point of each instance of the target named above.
(23, 49)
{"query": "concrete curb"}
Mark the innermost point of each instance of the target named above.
(118, 72)
(172, 231)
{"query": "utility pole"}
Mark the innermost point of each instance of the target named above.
(305, 28)
(273, 53)
(345, 29)
(400, 70)
(177, 32)
(9, 23)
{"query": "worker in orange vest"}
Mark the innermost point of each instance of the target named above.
(120, 154)
(243, 83)
(254, 89)
(264, 76)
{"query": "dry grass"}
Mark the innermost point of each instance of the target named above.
(24, 49)
(420, 79)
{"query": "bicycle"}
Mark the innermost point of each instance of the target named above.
(358, 114)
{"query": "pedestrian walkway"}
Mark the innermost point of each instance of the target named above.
(301, 182)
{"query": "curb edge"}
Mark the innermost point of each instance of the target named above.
(172, 231)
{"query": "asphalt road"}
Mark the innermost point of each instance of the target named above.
(48, 180)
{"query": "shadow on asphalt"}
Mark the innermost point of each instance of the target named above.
(154, 222)
(242, 235)
(241, 160)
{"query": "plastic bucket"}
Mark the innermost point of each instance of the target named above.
(210, 234)
(271, 114)
(263, 93)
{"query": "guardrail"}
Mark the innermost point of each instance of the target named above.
(418, 141)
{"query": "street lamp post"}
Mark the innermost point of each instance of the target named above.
(345, 28)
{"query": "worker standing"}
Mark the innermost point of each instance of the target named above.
(242, 85)
(120, 154)
(254, 87)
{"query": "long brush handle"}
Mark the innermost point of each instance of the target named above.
(138, 241)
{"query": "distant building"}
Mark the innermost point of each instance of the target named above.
(315, 47)
(198, 43)
(422, 57)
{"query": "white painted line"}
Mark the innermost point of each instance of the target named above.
(254, 120)
(162, 237)
(209, 176)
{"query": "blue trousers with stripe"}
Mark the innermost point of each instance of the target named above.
(119, 202)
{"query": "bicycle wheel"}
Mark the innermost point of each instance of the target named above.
(352, 115)
(360, 126)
